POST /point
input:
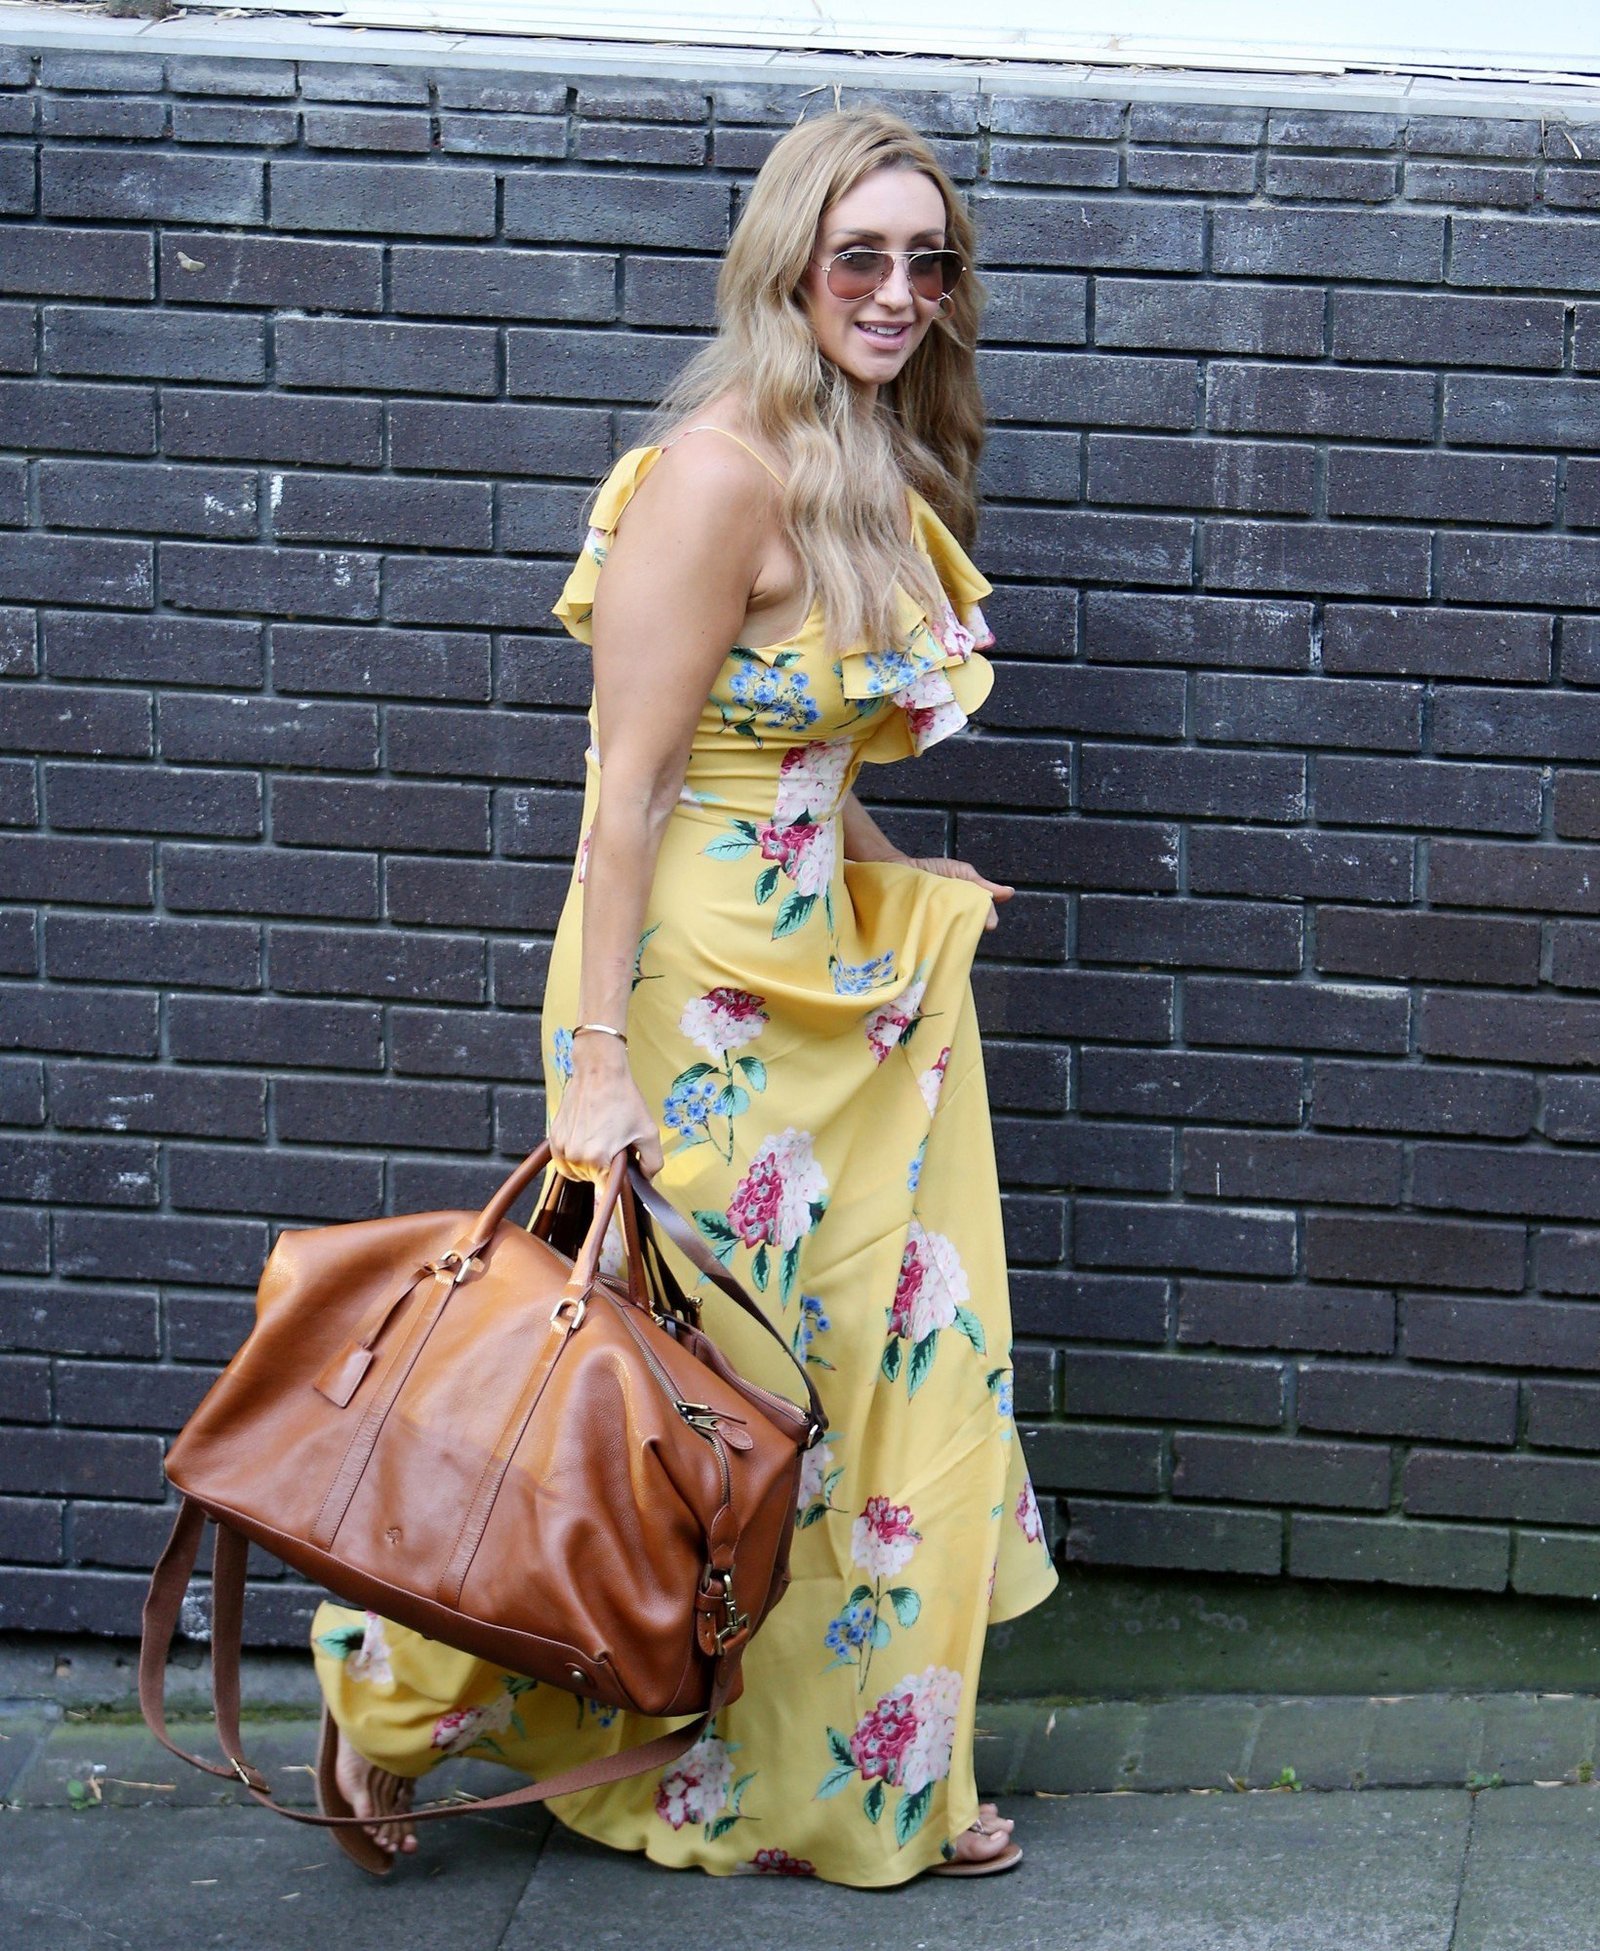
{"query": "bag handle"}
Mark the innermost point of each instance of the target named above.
(168, 1585)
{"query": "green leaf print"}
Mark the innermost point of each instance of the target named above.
(891, 1361)
(766, 885)
(732, 1099)
(736, 1793)
(720, 1825)
(755, 1072)
(728, 846)
(912, 1813)
(793, 914)
(835, 1780)
(787, 1271)
(638, 959)
(907, 1605)
(972, 1328)
(719, 1233)
(342, 1641)
(839, 1744)
(872, 1802)
(812, 1514)
(760, 1267)
(692, 1075)
(785, 659)
(880, 1634)
(922, 1354)
(861, 1592)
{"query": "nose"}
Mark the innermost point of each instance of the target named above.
(895, 291)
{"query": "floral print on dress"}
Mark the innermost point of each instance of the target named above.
(819, 1479)
(999, 1380)
(893, 1023)
(883, 1540)
(856, 978)
(1029, 1520)
(930, 1296)
(779, 1200)
(799, 842)
(721, 1021)
(770, 692)
(812, 1323)
(561, 1055)
(364, 1650)
(778, 1862)
(701, 1787)
(465, 1728)
(903, 1742)
(931, 1082)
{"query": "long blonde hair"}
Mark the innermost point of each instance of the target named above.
(847, 469)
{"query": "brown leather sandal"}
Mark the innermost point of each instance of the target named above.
(331, 1801)
(1008, 1859)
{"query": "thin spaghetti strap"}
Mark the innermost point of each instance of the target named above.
(706, 427)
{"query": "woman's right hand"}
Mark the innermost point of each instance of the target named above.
(602, 1112)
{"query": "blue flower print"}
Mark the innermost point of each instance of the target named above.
(561, 1054)
(999, 1380)
(774, 697)
(855, 978)
(914, 1175)
(813, 1322)
(847, 1634)
(690, 1105)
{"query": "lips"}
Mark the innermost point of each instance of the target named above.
(890, 339)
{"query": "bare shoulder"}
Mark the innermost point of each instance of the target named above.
(705, 495)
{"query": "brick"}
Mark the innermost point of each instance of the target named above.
(1141, 628)
(231, 122)
(1463, 1556)
(1487, 1179)
(24, 1241)
(116, 1023)
(469, 744)
(1088, 233)
(309, 431)
(110, 873)
(1308, 711)
(1151, 779)
(1580, 649)
(120, 72)
(1424, 794)
(1310, 128)
(89, 419)
(1427, 947)
(1295, 1167)
(1385, 246)
(198, 74)
(543, 136)
(395, 131)
(1344, 560)
(19, 799)
(1091, 1307)
(213, 268)
(1341, 179)
(1179, 933)
(1035, 622)
(1078, 1002)
(1186, 316)
(1540, 254)
(24, 1390)
(1056, 116)
(539, 519)
(1504, 1334)
(1414, 1252)
(1545, 725)
(350, 81)
(188, 1102)
(308, 1036)
(1225, 1089)
(298, 1184)
(1506, 645)
(147, 499)
(1472, 135)
(147, 186)
(1571, 1109)
(1220, 1240)
(586, 365)
(482, 281)
(79, 1463)
(1324, 1016)
(1583, 493)
(981, 771)
(83, 1321)
(152, 649)
(507, 93)
(1024, 465)
(1442, 487)
(1133, 704)
(1571, 189)
(30, 1531)
(513, 440)
(21, 1091)
(1551, 1563)
(135, 342)
(682, 291)
(643, 100)
(1211, 1540)
(1035, 1229)
(474, 894)
(1539, 1490)
(453, 1044)
(405, 199)
(309, 507)
(251, 880)
(441, 819)
(328, 962)
(1300, 866)
(296, 582)
(1575, 955)
(1563, 1415)
(1262, 1314)
(1270, 477)
(1373, 1401)
(18, 654)
(368, 355)
(1415, 328)
(560, 206)
(431, 1117)
(1046, 307)
(146, 799)
(1101, 1157)
(1484, 874)
(1507, 187)
(270, 732)
(17, 196)
(1328, 400)
(1098, 389)
(71, 719)
(17, 348)
(38, 568)
(1564, 1261)
(127, 1395)
(640, 144)
(1505, 411)
(1203, 172)
(1272, 1470)
(1162, 1387)
(378, 662)
(59, 262)
(1025, 1076)
(1509, 1029)
(1081, 1456)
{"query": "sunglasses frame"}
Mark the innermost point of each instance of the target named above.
(891, 258)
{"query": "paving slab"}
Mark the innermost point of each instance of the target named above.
(25, 1726)
(1197, 1743)
(1533, 1872)
(1324, 1741)
(182, 1879)
(1378, 1871)
(1537, 1737)
(1420, 1739)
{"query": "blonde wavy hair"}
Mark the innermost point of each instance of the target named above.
(846, 469)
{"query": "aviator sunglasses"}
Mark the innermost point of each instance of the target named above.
(859, 271)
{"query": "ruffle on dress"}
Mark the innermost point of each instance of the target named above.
(937, 677)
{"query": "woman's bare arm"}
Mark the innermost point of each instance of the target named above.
(670, 603)
(864, 839)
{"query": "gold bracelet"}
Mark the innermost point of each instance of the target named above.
(579, 1028)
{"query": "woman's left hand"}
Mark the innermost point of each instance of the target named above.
(961, 870)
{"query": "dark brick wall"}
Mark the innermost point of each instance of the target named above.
(1293, 1022)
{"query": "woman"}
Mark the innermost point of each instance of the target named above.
(755, 988)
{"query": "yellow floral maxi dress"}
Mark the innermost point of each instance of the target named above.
(805, 1025)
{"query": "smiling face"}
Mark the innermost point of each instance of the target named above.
(895, 208)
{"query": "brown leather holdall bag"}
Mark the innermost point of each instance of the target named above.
(445, 1419)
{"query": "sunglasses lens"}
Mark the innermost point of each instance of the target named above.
(934, 274)
(853, 274)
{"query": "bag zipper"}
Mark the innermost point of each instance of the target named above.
(698, 1415)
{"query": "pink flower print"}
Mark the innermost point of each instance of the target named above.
(583, 855)
(935, 1696)
(778, 1862)
(932, 1285)
(693, 1789)
(722, 1020)
(882, 1539)
(815, 1465)
(811, 780)
(890, 1023)
(883, 1737)
(1027, 1513)
(465, 1727)
(957, 640)
(931, 1082)
(804, 851)
(773, 1203)
(370, 1660)
(931, 709)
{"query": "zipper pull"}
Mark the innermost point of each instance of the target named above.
(715, 1422)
